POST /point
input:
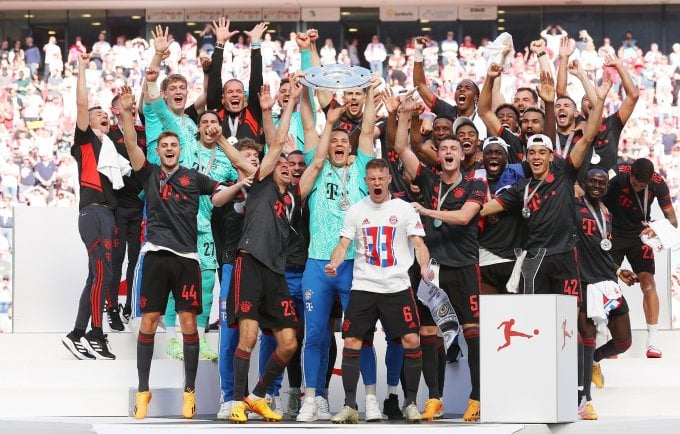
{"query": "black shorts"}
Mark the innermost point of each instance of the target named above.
(558, 274)
(463, 286)
(258, 293)
(164, 272)
(621, 310)
(497, 275)
(640, 255)
(397, 313)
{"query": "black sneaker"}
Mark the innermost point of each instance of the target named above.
(391, 408)
(97, 346)
(73, 344)
(114, 320)
(127, 313)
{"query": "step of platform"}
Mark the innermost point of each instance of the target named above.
(48, 346)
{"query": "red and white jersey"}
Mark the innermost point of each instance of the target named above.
(383, 250)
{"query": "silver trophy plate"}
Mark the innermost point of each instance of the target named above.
(337, 76)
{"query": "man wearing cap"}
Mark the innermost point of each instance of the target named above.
(545, 203)
(501, 232)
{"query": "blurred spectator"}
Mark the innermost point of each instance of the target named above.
(100, 49)
(207, 39)
(53, 60)
(32, 55)
(328, 52)
(449, 49)
(353, 50)
(375, 55)
(75, 51)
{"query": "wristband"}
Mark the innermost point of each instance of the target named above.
(160, 53)
(219, 45)
(153, 90)
(418, 55)
(256, 44)
(618, 272)
(542, 53)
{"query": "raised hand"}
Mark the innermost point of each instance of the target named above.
(303, 41)
(547, 88)
(494, 70)
(213, 131)
(84, 60)
(575, 69)
(408, 105)
(313, 35)
(334, 113)
(296, 86)
(255, 34)
(152, 74)
(391, 101)
(265, 98)
(611, 60)
(205, 61)
(160, 39)
(537, 46)
(222, 32)
(567, 47)
(603, 89)
(127, 99)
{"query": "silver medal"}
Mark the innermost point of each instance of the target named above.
(240, 207)
(606, 244)
(344, 204)
(526, 213)
(437, 223)
(595, 159)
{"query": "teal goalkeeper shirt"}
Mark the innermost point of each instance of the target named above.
(325, 216)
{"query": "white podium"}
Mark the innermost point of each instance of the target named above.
(528, 358)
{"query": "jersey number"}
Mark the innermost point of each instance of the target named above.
(288, 308)
(209, 248)
(189, 293)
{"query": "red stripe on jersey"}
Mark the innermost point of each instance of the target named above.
(89, 175)
(237, 282)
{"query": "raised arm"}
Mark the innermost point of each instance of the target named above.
(593, 124)
(308, 123)
(323, 96)
(406, 154)
(266, 103)
(538, 47)
(577, 71)
(566, 50)
(419, 79)
(82, 109)
(546, 92)
(256, 80)
(366, 140)
(632, 93)
(214, 88)
(127, 102)
(275, 149)
(485, 97)
(497, 97)
(392, 103)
